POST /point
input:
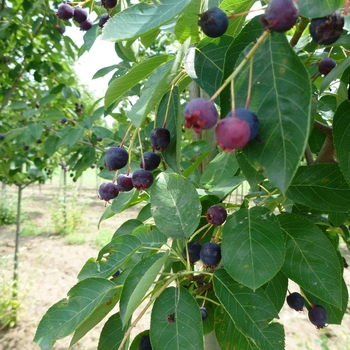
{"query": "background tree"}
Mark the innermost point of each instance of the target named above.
(190, 268)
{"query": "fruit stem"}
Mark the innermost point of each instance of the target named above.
(207, 299)
(250, 82)
(141, 150)
(130, 145)
(126, 135)
(244, 13)
(232, 97)
(201, 229)
(299, 30)
(167, 106)
(257, 44)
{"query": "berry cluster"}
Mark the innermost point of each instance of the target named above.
(317, 313)
(209, 253)
(235, 131)
(117, 157)
(79, 15)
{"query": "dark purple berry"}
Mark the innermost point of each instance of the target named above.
(116, 274)
(295, 301)
(99, 139)
(152, 160)
(116, 158)
(327, 30)
(109, 4)
(345, 263)
(103, 19)
(65, 12)
(216, 215)
(200, 114)
(86, 25)
(2, 136)
(107, 191)
(318, 316)
(80, 15)
(194, 249)
(213, 22)
(39, 141)
(142, 179)
(210, 254)
(204, 313)
(160, 138)
(326, 65)
(125, 182)
(93, 166)
(280, 15)
(64, 120)
(232, 133)
(250, 118)
(145, 343)
(26, 147)
(60, 29)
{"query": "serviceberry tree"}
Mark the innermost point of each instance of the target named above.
(287, 138)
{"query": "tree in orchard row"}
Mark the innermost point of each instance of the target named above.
(289, 225)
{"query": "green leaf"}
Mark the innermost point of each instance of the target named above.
(176, 321)
(144, 18)
(110, 257)
(127, 227)
(51, 145)
(90, 36)
(276, 290)
(155, 88)
(100, 131)
(104, 71)
(96, 317)
(251, 311)
(112, 334)
(252, 175)
(320, 186)
(188, 171)
(169, 107)
(311, 260)
(36, 130)
(138, 282)
(318, 8)
(187, 24)
(205, 63)
(121, 85)
(75, 135)
(68, 314)
(170, 204)
(46, 99)
(227, 334)
(150, 236)
(252, 246)
(223, 167)
(341, 134)
(281, 99)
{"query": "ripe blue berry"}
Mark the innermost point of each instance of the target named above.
(2, 136)
(116, 158)
(194, 249)
(86, 25)
(65, 12)
(232, 133)
(318, 316)
(145, 343)
(204, 313)
(80, 15)
(216, 215)
(210, 254)
(107, 191)
(160, 138)
(152, 160)
(200, 114)
(103, 19)
(125, 182)
(213, 22)
(326, 65)
(142, 179)
(109, 4)
(64, 120)
(280, 15)
(327, 30)
(295, 301)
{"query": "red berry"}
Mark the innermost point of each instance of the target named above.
(200, 114)
(280, 15)
(232, 133)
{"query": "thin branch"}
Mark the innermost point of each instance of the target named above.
(326, 154)
(324, 128)
(308, 155)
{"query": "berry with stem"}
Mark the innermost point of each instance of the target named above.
(116, 158)
(80, 15)
(200, 114)
(107, 191)
(216, 215)
(109, 4)
(151, 161)
(280, 15)
(65, 12)
(295, 301)
(213, 22)
(204, 313)
(326, 65)
(250, 118)
(160, 138)
(318, 316)
(86, 25)
(142, 179)
(103, 19)
(194, 249)
(125, 182)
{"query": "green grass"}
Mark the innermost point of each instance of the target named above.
(103, 237)
(75, 239)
